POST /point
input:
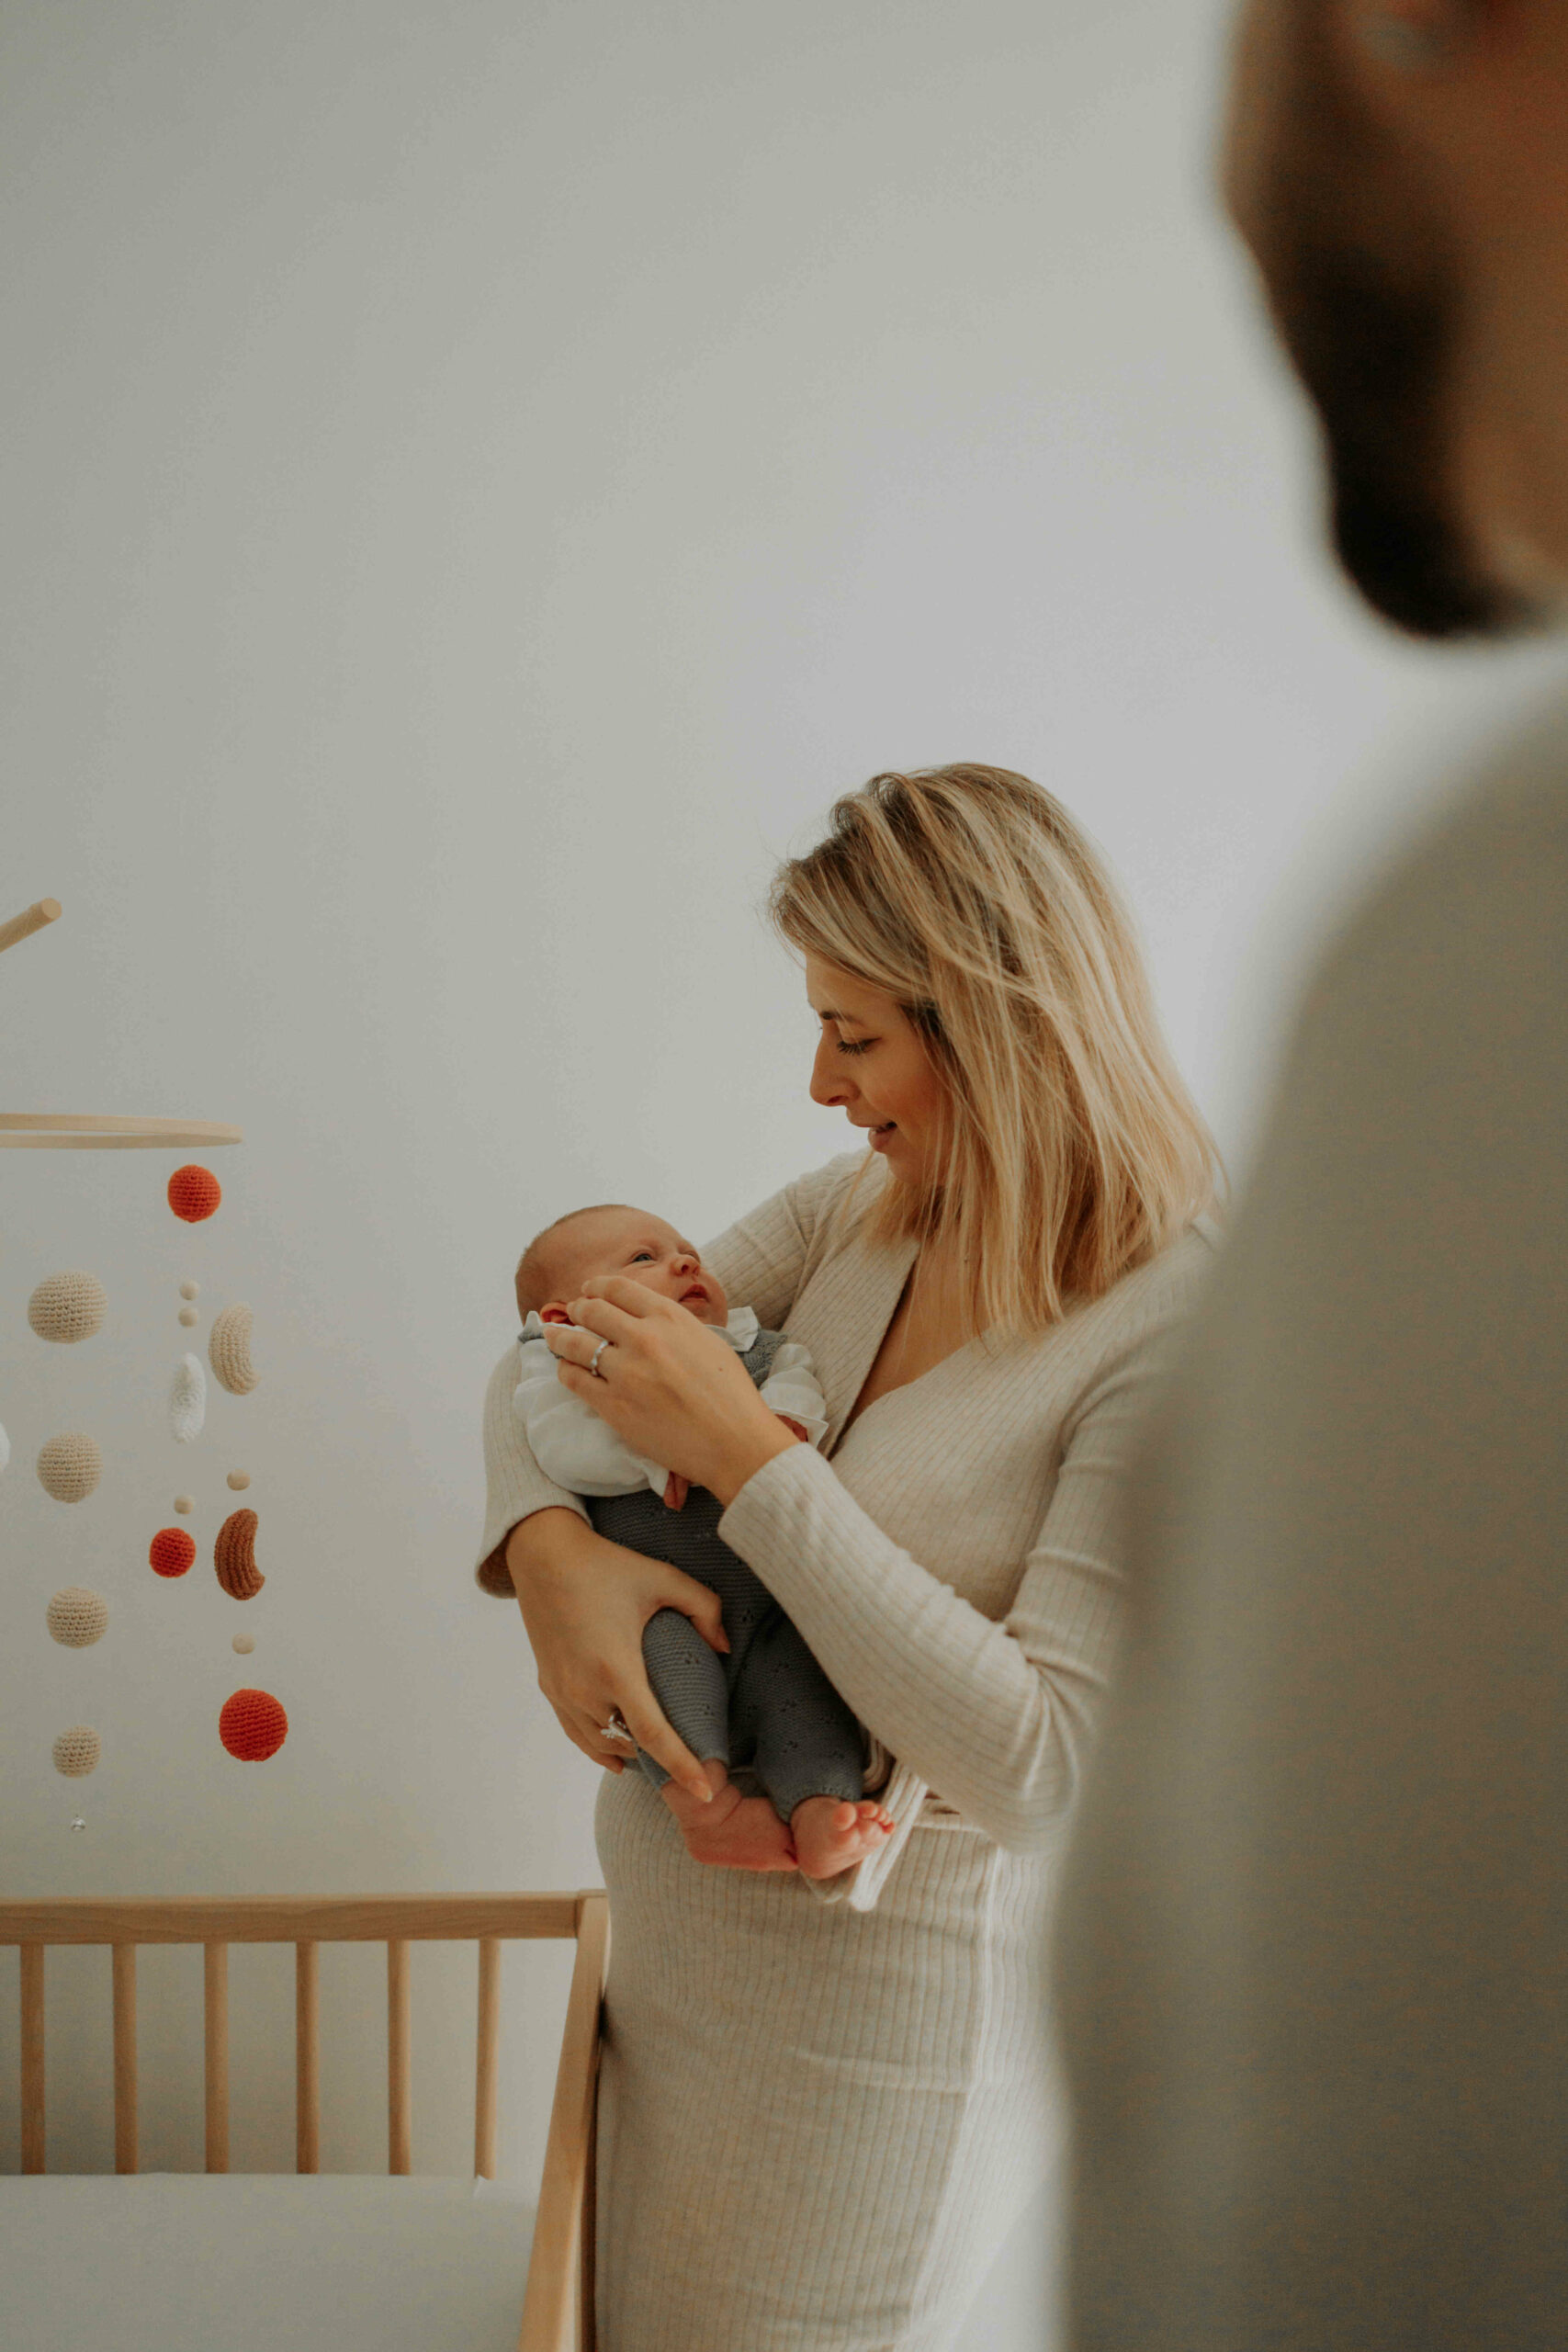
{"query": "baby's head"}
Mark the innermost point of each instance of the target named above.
(615, 1239)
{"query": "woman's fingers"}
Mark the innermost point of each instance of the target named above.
(598, 1751)
(654, 1736)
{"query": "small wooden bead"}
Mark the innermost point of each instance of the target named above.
(191, 1290)
(185, 1502)
(244, 1644)
(188, 1316)
(239, 1480)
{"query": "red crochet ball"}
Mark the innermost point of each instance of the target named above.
(253, 1725)
(194, 1192)
(171, 1552)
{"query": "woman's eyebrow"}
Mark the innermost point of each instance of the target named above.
(826, 1012)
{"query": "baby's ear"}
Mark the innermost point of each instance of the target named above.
(553, 1312)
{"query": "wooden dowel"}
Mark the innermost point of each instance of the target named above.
(307, 2058)
(34, 918)
(486, 2065)
(215, 1961)
(399, 2049)
(124, 2057)
(32, 2058)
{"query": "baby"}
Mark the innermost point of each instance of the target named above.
(765, 1706)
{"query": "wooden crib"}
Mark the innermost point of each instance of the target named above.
(557, 2300)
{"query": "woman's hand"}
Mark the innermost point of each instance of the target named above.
(667, 1385)
(584, 1603)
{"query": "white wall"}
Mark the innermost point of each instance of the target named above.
(479, 480)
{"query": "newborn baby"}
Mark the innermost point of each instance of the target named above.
(766, 1705)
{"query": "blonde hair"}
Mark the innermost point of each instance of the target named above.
(1069, 1149)
(535, 1279)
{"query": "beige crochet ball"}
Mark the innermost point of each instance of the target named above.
(78, 1617)
(69, 1467)
(67, 1307)
(76, 1751)
(229, 1350)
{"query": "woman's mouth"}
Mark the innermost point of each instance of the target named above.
(877, 1136)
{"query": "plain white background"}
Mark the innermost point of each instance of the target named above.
(479, 480)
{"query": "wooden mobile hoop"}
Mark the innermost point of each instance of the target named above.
(88, 1131)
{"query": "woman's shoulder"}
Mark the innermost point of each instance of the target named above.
(1134, 1314)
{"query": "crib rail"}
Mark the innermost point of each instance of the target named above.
(557, 2313)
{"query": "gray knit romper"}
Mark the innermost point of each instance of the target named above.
(767, 1707)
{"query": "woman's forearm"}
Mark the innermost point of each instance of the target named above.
(551, 1538)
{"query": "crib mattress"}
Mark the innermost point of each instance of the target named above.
(191, 2262)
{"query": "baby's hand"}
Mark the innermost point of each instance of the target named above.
(676, 1489)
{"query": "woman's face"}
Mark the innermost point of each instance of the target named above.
(871, 1065)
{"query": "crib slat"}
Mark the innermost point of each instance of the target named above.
(124, 2057)
(486, 2063)
(399, 2066)
(32, 2058)
(307, 2058)
(215, 1970)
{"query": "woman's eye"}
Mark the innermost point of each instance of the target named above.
(851, 1046)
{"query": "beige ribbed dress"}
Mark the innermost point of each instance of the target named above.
(823, 2106)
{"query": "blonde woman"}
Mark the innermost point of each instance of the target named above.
(824, 2103)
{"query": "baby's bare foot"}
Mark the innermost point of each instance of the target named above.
(732, 1832)
(831, 1835)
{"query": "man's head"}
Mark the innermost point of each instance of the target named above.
(1399, 169)
(615, 1239)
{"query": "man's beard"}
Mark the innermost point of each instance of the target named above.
(1368, 309)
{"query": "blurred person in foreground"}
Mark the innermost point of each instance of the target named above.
(1313, 1951)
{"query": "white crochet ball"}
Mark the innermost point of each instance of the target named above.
(77, 1617)
(229, 1350)
(76, 1751)
(68, 1307)
(69, 1467)
(244, 1644)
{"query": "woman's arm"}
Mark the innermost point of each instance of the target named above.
(999, 1717)
(762, 1258)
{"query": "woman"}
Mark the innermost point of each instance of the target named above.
(825, 2103)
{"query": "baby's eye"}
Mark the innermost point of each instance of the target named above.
(641, 1253)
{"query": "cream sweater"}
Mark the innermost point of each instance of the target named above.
(954, 1560)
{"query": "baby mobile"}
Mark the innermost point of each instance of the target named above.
(66, 1309)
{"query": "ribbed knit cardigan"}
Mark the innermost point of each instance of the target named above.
(954, 1563)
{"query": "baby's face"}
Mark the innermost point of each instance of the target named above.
(647, 1251)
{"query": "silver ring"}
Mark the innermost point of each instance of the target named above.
(594, 1365)
(615, 1729)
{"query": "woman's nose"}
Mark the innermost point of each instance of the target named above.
(829, 1086)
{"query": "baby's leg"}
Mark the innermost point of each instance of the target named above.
(686, 1677)
(808, 1753)
(732, 1832)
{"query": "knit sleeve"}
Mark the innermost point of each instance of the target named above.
(999, 1718)
(514, 1483)
(762, 1258)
